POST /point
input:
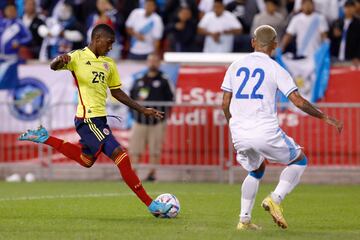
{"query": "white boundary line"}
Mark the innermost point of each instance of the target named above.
(89, 195)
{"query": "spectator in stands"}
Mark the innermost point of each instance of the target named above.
(161, 6)
(2, 7)
(181, 31)
(328, 8)
(19, 7)
(153, 86)
(289, 5)
(345, 35)
(13, 33)
(50, 7)
(270, 17)
(310, 29)
(244, 10)
(107, 14)
(219, 27)
(83, 9)
(238, 8)
(172, 8)
(357, 7)
(33, 22)
(125, 7)
(61, 34)
(145, 28)
(206, 6)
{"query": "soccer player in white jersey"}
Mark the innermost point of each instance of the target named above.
(249, 104)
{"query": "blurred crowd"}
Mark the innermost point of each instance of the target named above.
(43, 29)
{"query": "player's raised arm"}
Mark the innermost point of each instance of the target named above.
(125, 99)
(60, 61)
(310, 109)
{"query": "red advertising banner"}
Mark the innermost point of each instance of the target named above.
(197, 133)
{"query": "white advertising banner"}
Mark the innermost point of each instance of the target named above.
(46, 97)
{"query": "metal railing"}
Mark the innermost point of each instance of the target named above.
(197, 136)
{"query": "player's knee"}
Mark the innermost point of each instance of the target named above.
(116, 152)
(257, 174)
(89, 165)
(301, 162)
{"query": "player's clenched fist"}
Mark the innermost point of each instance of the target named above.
(60, 61)
(64, 58)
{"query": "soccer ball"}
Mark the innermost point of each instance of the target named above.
(171, 199)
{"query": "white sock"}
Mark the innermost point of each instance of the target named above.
(248, 193)
(289, 178)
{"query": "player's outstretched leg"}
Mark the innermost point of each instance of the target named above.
(69, 150)
(39, 135)
(289, 178)
(248, 194)
(122, 161)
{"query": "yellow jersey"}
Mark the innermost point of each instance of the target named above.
(92, 75)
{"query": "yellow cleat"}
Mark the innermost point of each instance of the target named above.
(275, 211)
(248, 226)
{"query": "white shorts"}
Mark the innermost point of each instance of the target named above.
(273, 145)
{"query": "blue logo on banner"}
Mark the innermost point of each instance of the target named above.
(28, 99)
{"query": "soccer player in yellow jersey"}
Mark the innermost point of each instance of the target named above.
(93, 73)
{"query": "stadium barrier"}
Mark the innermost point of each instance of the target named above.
(197, 137)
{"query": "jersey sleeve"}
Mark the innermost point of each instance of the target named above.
(204, 22)
(130, 22)
(226, 85)
(74, 55)
(159, 28)
(291, 29)
(234, 23)
(25, 34)
(323, 24)
(114, 78)
(285, 82)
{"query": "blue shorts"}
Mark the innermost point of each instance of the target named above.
(95, 136)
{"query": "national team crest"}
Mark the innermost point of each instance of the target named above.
(106, 66)
(106, 131)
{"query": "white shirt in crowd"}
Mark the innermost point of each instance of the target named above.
(329, 8)
(254, 80)
(308, 30)
(208, 5)
(211, 23)
(151, 27)
(343, 39)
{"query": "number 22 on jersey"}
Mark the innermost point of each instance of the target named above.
(259, 75)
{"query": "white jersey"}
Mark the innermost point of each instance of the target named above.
(308, 30)
(212, 23)
(254, 81)
(256, 134)
(150, 27)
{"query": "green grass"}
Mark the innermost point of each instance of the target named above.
(68, 210)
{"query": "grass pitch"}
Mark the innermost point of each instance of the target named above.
(108, 210)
